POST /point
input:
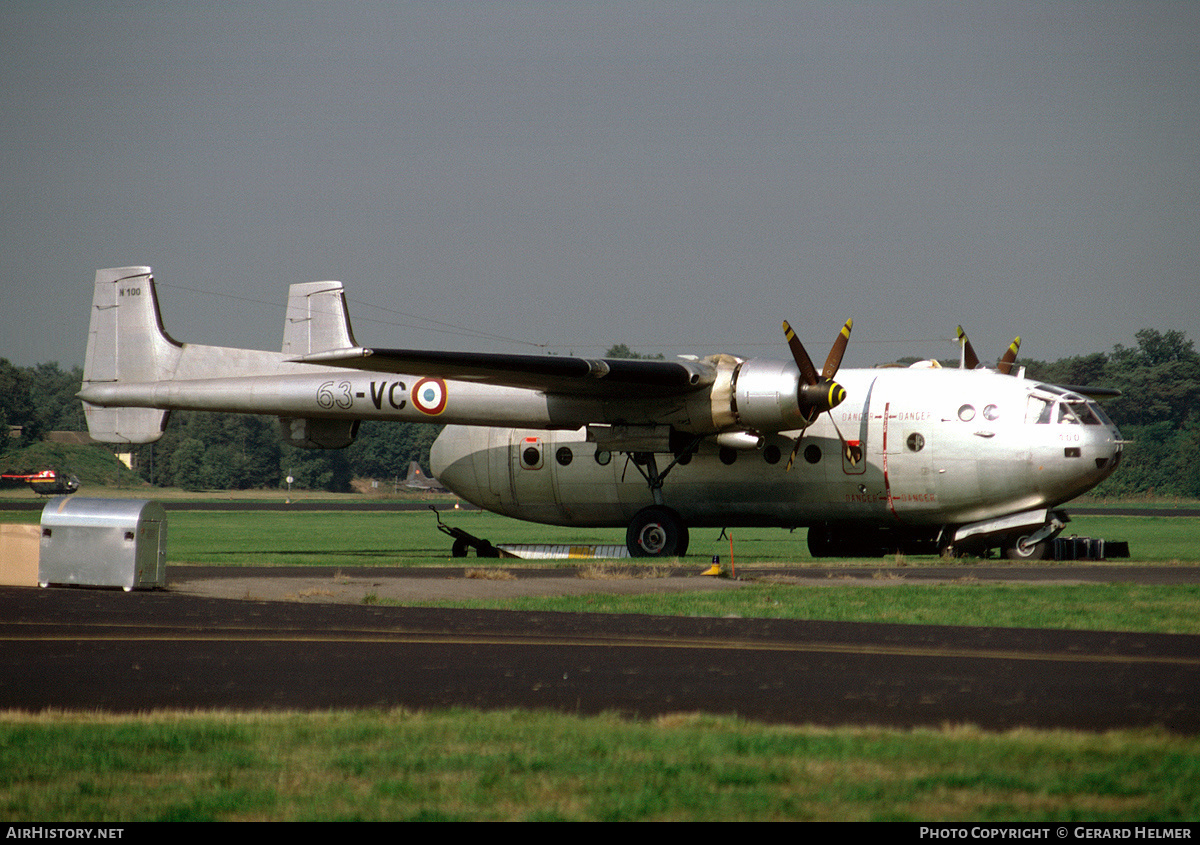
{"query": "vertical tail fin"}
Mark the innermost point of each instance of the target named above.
(127, 343)
(317, 319)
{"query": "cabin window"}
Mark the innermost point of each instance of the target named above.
(531, 457)
(564, 455)
(991, 413)
(727, 455)
(771, 454)
(603, 457)
(916, 442)
(812, 453)
(966, 413)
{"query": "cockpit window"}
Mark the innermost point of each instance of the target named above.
(1039, 411)
(1064, 415)
(1086, 412)
(1063, 408)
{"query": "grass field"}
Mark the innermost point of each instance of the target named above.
(531, 766)
(411, 538)
(510, 765)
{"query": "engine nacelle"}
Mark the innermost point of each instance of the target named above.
(764, 396)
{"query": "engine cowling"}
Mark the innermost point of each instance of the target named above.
(764, 396)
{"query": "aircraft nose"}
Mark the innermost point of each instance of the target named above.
(1101, 452)
(1109, 448)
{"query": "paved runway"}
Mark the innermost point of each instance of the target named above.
(110, 650)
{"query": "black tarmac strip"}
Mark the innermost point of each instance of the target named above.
(107, 650)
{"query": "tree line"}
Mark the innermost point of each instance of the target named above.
(1158, 410)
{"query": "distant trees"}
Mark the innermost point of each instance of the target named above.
(620, 350)
(36, 400)
(1159, 411)
(16, 407)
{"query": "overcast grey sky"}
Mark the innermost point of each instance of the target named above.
(680, 177)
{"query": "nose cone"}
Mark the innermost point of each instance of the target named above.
(1107, 447)
(1090, 455)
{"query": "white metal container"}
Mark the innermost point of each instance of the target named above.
(103, 543)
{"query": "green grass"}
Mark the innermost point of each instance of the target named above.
(412, 538)
(535, 766)
(1103, 607)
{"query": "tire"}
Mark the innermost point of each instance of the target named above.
(459, 549)
(1017, 550)
(819, 544)
(656, 532)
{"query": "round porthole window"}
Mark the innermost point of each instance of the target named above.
(966, 413)
(603, 457)
(812, 453)
(991, 412)
(916, 442)
(564, 455)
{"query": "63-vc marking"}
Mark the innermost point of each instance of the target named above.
(428, 395)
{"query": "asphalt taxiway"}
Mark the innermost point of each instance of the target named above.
(183, 647)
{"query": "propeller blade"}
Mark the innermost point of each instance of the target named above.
(970, 359)
(1010, 355)
(795, 451)
(835, 354)
(818, 393)
(853, 452)
(807, 371)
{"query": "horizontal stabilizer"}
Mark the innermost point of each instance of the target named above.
(125, 425)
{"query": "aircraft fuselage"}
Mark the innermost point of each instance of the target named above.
(939, 447)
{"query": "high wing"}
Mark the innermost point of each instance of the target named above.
(600, 377)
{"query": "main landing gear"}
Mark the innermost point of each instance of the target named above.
(657, 530)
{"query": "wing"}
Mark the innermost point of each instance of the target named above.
(580, 376)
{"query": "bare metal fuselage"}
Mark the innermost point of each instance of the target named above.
(939, 447)
(574, 441)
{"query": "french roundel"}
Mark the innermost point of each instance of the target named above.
(429, 395)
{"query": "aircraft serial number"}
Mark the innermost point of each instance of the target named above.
(341, 394)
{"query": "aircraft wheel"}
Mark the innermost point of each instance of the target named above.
(459, 549)
(1018, 549)
(656, 532)
(819, 542)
